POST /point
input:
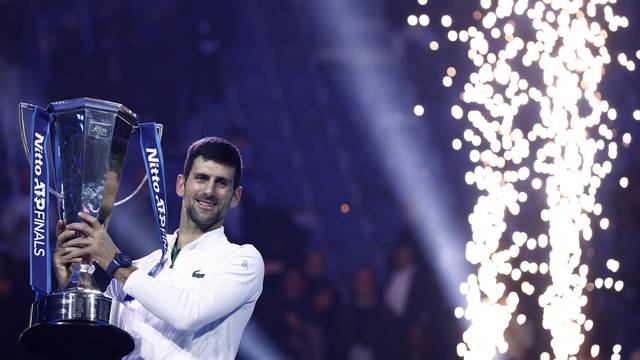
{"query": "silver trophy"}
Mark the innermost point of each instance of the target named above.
(89, 140)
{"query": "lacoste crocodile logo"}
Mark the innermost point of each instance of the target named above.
(197, 274)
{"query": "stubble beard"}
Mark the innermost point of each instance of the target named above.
(205, 220)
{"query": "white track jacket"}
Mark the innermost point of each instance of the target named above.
(195, 309)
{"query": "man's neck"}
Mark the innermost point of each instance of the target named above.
(189, 232)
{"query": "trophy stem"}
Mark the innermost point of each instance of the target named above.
(82, 276)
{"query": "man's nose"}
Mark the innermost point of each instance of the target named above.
(210, 188)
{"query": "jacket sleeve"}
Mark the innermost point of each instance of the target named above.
(114, 290)
(225, 287)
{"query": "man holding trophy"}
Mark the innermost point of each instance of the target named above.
(201, 300)
(191, 299)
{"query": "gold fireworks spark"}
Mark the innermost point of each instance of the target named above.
(548, 55)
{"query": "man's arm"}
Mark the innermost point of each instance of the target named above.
(223, 289)
(122, 274)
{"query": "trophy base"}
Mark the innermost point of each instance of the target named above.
(76, 340)
(74, 324)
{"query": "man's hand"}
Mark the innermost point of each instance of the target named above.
(61, 261)
(95, 242)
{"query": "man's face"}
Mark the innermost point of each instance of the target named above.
(207, 194)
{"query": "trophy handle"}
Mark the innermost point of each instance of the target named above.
(159, 129)
(23, 137)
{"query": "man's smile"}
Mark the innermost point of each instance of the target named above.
(207, 204)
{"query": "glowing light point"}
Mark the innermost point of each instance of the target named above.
(452, 35)
(536, 183)
(588, 325)
(446, 21)
(598, 283)
(608, 283)
(423, 20)
(418, 110)
(613, 265)
(624, 182)
(457, 112)
(412, 20)
(617, 348)
(456, 144)
(344, 208)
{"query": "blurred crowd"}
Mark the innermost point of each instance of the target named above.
(401, 316)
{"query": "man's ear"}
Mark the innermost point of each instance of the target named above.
(180, 185)
(237, 194)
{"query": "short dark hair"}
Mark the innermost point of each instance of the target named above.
(218, 150)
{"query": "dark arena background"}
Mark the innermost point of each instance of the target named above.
(425, 179)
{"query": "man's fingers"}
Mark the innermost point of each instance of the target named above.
(59, 227)
(62, 252)
(75, 253)
(61, 235)
(66, 261)
(66, 235)
(93, 222)
(65, 256)
(78, 242)
(82, 227)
